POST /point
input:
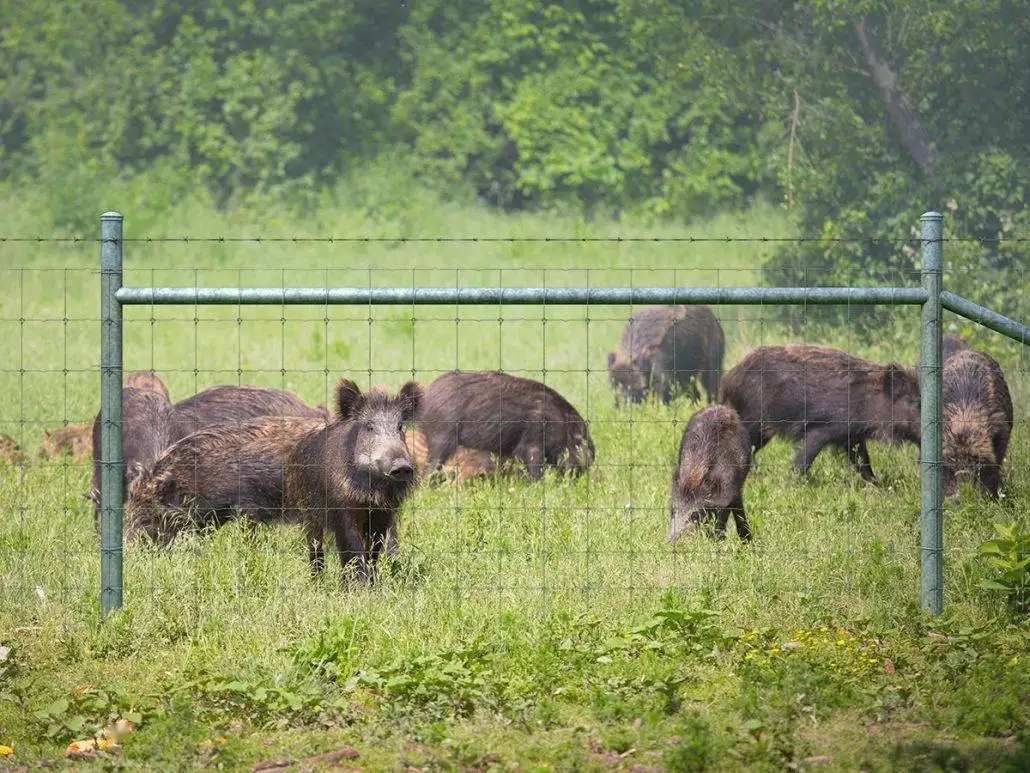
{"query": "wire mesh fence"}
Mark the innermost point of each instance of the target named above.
(417, 310)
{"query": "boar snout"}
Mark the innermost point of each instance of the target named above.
(401, 469)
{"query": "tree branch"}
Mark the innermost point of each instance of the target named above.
(914, 136)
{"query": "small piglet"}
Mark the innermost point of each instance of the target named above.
(714, 460)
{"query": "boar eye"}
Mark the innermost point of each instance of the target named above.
(369, 426)
(400, 427)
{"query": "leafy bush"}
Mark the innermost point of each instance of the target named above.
(1009, 555)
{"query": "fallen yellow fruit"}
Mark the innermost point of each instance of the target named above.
(78, 748)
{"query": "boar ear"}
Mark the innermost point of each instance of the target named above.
(410, 397)
(897, 381)
(347, 398)
(611, 360)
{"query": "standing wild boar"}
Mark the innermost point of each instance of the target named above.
(823, 396)
(146, 414)
(668, 347)
(977, 422)
(517, 419)
(714, 460)
(349, 475)
(235, 404)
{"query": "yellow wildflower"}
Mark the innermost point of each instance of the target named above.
(5, 751)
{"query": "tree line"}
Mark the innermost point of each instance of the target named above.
(856, 115)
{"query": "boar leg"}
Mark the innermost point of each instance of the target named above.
(740, 519)
(720, 523)
(990, 480)
(349, 544)
(533, 458)
(858, 455)
(710, 381)
(814, 442)
(379, 535)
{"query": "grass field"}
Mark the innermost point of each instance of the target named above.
(542, 626)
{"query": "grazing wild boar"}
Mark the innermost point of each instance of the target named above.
(236, 404)
(823, 396)
(146, 422)
(977, 422)
(517, 419)
(714, 460)
(72, 440)
(664, 348)
(349, 475)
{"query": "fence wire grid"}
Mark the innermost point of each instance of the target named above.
(589, 541)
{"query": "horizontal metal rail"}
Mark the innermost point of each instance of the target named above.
(974, 312)
(249, 296)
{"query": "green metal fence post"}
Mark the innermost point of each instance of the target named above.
(931, 593)
(111, 472)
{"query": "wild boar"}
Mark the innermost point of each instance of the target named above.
(236, 404)
(708, 483)
(823, 396)
(350, 475)
(978, 420)
(517, 419)
(10, 451)
(146, 422)
(665, 348)
(72, 440)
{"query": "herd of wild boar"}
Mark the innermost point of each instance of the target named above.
(266, 455)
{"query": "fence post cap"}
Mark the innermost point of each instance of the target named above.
(112, 215)
(931, 216)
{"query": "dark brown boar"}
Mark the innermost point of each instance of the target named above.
(352, 477)
(146, 422)
(349, 475)
(714, 460)
(517, 419)
(978, 422)
(952, 343)
(146, 379)
(822, 396)
(72, 440)
(665, 348)
(236, 404)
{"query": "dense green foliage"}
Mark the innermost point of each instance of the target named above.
(607, 107)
